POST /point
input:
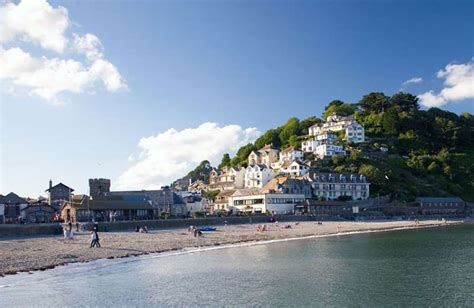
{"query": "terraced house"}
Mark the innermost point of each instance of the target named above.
(334, 186)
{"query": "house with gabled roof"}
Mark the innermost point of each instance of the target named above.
(11, 206)
(266, 156)
(294, 168)
(58, 193)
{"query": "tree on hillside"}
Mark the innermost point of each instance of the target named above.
(307, 123)
(374, 102)
(291, 128)
(242, 154)
(271, 136)
(340, 108)
(390, 121)
(225, 162)
(405, 102)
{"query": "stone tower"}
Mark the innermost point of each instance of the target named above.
(98, 187)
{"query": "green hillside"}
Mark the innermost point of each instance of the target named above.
(430, 153)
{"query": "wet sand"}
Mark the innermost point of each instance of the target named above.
(28, 254)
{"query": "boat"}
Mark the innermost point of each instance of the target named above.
(207, 228)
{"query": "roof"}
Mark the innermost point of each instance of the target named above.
(273, 184)
(60, 185)
(439, 199)
(339, 178)
(119, 204)
(289, 149)
(246, 192)
(12, 198)
(226, 193)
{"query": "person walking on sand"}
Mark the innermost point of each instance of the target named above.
(97, 240)
(93, 239)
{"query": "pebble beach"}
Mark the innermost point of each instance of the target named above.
(41, 253)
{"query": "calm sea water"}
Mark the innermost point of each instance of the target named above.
(425, 267)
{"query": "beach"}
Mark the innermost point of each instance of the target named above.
(41, 253)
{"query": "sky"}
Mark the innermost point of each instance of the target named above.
(141, 91)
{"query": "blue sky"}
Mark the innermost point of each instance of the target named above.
(184, 63)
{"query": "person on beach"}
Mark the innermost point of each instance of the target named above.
(65, 232)
(97, 241)
(93, 239)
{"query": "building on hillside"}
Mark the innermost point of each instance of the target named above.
(198, 187)
(227, 178)
(257, 175)
(291, 154)
(11, 206)
(287, 185)
(441, 206)
(58, 193)
(331, 186)
(295, 168)
(266, 156)
(322, 146)
(244, 201)
(354, 132)
(329, 150)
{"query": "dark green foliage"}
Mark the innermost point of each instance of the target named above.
(225, 162)
(211, 194)
(199, 169)
(291, 128)
(271, 136)
(339, 108)
(307, 123)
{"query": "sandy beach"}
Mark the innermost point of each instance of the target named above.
(28, 254)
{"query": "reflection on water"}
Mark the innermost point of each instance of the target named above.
(404, 268)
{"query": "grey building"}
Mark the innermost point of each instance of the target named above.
(440, 205)
(58, 193)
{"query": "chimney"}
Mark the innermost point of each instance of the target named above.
(50, 183)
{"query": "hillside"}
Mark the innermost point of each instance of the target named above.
(430, 153)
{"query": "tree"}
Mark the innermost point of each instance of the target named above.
(307, 123)
(225, 162)
(271, 136)
(211, 194)
(390, 121)
(405, 102)
(374, 102)
(339, 108)
(290, 128)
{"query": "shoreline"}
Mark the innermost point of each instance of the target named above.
(39, 254)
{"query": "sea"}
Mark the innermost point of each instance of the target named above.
(426, 267)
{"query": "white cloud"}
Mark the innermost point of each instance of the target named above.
(49, 77)
(458, 85)
(414, 80)
(38, 22)
(89, 45)
(171, 154)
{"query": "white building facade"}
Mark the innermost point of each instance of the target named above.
(257, 176)
(262, 203)
(331, 186)
(294, 169)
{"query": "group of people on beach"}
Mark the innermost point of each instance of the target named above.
(142, 229)
(195, 231)
(68, 232)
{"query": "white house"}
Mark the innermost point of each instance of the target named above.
(256, 202)
(354, 132)
(325, 150)
(294, 168)
(257, 175)
(331, 186)
(290, 154)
